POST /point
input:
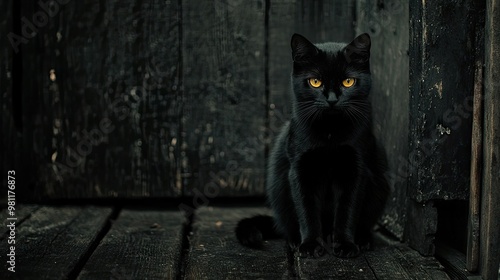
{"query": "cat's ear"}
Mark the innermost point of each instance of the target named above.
(358, 50)
(302, 49)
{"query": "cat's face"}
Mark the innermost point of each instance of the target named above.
(331, 79)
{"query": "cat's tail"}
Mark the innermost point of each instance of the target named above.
(252, 231)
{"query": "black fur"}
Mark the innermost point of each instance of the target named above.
(325, 181)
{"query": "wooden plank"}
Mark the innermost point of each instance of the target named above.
(397, 262)
(29, 96)
(473, 227)
(454, 262)
(325, 21)
(216, 254)
(280, 30)
(388, 26)
(421, 227)
(54, 240)
(142, 244)
(106, 120)
(490, 203)
(388, 260)
(385, 264)
(440, 103)
(420, 267)
(22, 213)
(224, 116)
(331, 267)
(36, 103)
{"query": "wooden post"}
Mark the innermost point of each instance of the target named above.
(388, 26)
(476, 155)
(476, 174)
(490, 204)
(476, 151)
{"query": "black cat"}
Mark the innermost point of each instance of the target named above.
(325, 178)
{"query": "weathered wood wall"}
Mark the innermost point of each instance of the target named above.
(103, 99)
(443, 50)
(158, 99)
(388, 24)
(441, 98)
(224, 108)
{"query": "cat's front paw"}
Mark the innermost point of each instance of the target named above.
(345, 249)
(311, 249)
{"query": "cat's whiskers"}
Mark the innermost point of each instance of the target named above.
(357, 111)
(307, 111)
(353, 117)
(305, 116)
(361, 116)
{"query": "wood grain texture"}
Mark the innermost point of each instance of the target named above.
(331, 267)
(30, 100)
(397, 262)
(388, 26)
(388, 260)
(385, 263)
(442, 48)
(281, 28)
(476, 173)
(215, 252)
(325, 21)
(421, 267)
(141, 244)
(53, 240)
(22, 213)
(490, 203)
(106, 121)
(224, 92)
(421, 227)
(454, 261)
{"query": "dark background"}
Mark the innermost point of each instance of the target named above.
(174, 99)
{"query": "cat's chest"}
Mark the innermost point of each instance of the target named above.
(328, 158)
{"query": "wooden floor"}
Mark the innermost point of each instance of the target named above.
(97, 242)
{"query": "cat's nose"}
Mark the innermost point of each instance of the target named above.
(332, 99)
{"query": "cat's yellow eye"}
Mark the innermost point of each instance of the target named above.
(315, 83)
(349, 82)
